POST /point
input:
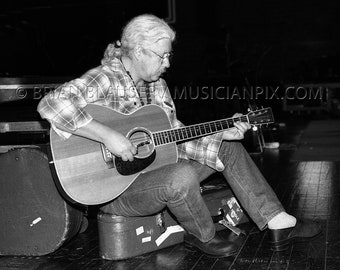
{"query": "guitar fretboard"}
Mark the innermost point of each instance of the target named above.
(195, 131)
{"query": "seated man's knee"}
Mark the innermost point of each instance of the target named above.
(184, 179)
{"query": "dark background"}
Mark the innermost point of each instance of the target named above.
(218, 42)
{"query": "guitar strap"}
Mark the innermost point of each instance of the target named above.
(145, 95)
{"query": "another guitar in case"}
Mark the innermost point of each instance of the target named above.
(34, 218)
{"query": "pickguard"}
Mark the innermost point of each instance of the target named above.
(135, 166)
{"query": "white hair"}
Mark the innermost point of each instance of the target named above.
(145, 30)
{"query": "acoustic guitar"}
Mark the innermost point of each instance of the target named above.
(89, 174)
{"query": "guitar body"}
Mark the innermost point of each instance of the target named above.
(83, 173)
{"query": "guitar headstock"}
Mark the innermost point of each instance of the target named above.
(261, 117)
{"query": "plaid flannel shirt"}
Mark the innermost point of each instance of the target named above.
(110, 85)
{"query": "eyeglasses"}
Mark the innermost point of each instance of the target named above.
(165, 56)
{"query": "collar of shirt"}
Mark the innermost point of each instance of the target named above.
(117, 66)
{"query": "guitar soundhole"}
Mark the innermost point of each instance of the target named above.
(141, 139)
(146, 154)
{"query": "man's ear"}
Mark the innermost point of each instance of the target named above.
(138, 51)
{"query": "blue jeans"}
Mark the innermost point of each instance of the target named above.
(177, 186)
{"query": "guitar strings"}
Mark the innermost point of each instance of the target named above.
(165, 136)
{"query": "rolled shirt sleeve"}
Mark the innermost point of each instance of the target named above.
(58, 109)
(65, 105)
(204, 150)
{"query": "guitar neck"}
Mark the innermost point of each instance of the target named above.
(195, 131)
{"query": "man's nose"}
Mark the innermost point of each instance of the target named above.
(166, 62)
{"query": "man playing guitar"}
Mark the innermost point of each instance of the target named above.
(128, 79)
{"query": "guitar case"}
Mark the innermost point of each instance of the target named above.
(126, 237)
(34, 219)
